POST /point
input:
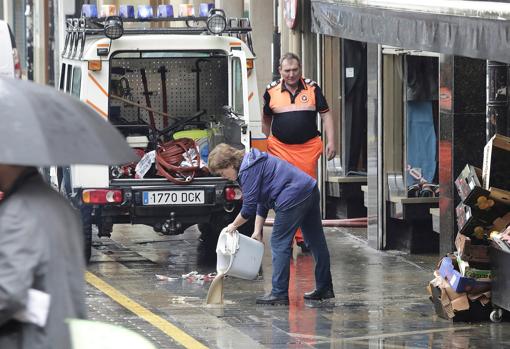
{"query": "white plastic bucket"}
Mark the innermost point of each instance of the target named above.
(245, 262)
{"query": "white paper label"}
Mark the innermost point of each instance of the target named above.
(453, 279)
(145, 164)
(349, 72)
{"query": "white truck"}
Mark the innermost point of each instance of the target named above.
(158, 79)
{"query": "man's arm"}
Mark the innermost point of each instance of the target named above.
(267, 114)
(329, 128)
(266, 124)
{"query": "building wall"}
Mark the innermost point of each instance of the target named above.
(261, 17)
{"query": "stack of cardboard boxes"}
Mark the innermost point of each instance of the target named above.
(461, 289)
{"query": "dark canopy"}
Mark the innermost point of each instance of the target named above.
(463, 31)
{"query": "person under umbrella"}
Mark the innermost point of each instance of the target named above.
(268, 182)
(41, 242)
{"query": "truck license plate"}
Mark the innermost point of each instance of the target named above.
(184, 197)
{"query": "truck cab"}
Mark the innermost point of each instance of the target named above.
(174, 87)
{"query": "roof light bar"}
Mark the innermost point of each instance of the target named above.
(89, 11)
(145, 12)
(205, 8)
(186, 10)
(108, 10)
(78, 29)
(165, 11)
(127, 11)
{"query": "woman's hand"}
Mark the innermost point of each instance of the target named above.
(257, 235)
(231, 228)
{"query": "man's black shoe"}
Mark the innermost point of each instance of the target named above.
(320, 294)
(304, 248)
(271, 299)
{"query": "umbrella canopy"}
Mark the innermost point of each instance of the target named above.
(40, 126)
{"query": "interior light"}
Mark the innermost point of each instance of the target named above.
(145, 11)
(89, 11)
(165, 11)
(249, 63)
(216, 23)
(113, 27)
(205, 8)
(108, 10)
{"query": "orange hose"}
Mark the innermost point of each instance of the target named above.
(347, 223)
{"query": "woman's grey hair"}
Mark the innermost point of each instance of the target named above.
(223, 156)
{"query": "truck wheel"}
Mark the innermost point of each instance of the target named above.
(86, 218)
(209, 232)
(496, 315)
(87, 245)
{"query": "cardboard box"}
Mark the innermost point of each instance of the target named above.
(470, 252)
(446, 300)
(500, 223)
(451, 305)
(469, 185)
(458, 282)
(468, 270)
(500, 195)
(496, 163)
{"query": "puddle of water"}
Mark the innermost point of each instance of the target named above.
(182, 300)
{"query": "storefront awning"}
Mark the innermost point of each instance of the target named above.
(465, 28)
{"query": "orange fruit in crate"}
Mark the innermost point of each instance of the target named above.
(478, 232)
(481, 199)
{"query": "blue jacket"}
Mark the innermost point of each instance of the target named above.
(268, 182)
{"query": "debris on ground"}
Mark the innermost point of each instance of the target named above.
(192, 276)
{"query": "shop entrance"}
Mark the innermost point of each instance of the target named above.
(345, 85)
(410, 94)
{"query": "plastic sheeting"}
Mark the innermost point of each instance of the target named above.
(477, 37)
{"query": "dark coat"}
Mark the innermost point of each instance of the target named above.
(41, 247)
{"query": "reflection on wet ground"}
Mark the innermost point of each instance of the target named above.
(381, 300)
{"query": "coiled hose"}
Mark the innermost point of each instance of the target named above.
(169, 157)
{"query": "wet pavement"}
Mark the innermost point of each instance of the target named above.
(381, 299)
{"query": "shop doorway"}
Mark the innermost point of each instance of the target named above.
(354, 97)
(410, 109)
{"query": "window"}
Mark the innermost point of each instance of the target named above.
(68, 78)
(237, 86)
(76, 87)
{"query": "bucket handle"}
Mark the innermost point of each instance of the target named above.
(232, 255)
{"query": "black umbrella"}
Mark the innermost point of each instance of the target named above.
(40, 126)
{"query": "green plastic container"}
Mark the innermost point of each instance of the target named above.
(193, 134)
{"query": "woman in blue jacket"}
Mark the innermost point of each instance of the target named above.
(268, 182)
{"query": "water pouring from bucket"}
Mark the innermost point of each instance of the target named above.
(237, 255)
